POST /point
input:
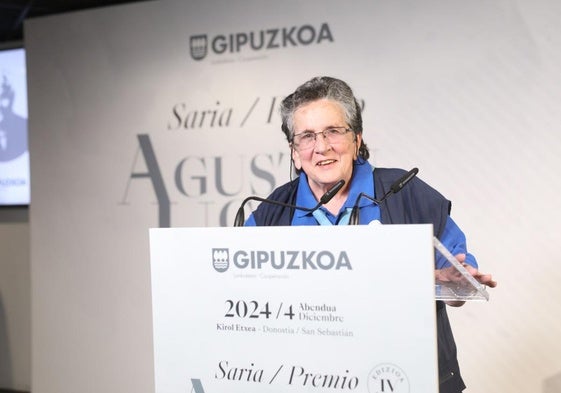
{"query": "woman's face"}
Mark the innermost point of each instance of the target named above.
(325, 163)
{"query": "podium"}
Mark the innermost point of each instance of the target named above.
(294, 309)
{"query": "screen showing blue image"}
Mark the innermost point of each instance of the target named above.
(14, 151)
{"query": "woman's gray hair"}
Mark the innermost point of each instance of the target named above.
(324, 87)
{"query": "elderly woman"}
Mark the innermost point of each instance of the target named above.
(323, 125)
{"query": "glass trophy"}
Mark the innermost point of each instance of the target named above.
(455, 282)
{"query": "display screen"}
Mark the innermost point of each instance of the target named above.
(14, 151)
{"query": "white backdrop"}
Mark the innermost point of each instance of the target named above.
(468, 92)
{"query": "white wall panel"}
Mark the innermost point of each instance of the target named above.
(466, 91)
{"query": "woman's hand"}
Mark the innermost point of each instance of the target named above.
(450, 274)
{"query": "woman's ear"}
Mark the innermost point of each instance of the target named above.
(296, 159)
(358, 141)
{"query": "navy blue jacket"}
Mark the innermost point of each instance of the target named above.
(416, 203)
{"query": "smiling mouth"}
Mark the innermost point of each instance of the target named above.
(326, 162)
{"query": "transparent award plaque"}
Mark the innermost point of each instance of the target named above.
(455, 282)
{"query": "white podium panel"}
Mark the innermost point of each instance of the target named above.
(294, 309)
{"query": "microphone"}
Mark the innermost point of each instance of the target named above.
(239, 220)
(396, 187)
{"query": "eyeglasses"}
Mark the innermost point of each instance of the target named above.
(307, 139)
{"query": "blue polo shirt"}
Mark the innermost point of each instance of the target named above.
(363, 182)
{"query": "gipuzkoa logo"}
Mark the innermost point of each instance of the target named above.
(274, 38)
(220, 259)
(387, 378)
(279, 260)
(198, 45)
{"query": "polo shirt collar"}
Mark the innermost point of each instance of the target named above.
(361, 181)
